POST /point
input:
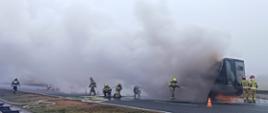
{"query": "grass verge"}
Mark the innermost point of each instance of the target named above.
(37, 103)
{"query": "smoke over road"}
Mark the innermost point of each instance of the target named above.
(65, 45)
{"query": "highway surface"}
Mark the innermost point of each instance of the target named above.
(177, 107)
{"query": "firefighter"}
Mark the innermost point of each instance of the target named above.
(15, 83)
(245, 84)
(173, 85)
(107, 91)
(137, 92)
(253, 88)
(118, 90)
(92, 87)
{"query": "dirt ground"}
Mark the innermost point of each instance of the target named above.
(36, 103)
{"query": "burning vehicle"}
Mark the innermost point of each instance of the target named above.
(228, 81)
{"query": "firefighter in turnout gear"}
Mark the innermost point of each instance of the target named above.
(118, 90)
(15, 83)
(173, 85)
(137, 92)
(245, 84)
(253, 88)
(92, 87)
(107, 91)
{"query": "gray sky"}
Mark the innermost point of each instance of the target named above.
(240, 25)
(244, 20)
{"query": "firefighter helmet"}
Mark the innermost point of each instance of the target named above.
(244, 77)
(174, 78)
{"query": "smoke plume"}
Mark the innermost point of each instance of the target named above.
(64, 45)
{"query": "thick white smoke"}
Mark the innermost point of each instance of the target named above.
(65, 45)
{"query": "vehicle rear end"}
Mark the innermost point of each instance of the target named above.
(227, 85)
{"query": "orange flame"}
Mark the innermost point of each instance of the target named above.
(227, 99)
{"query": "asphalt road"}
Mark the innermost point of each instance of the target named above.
(176, 107)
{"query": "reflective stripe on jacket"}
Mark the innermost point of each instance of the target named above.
(253, 84)
(245, 84)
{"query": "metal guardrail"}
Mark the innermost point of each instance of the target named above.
(262, 91)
